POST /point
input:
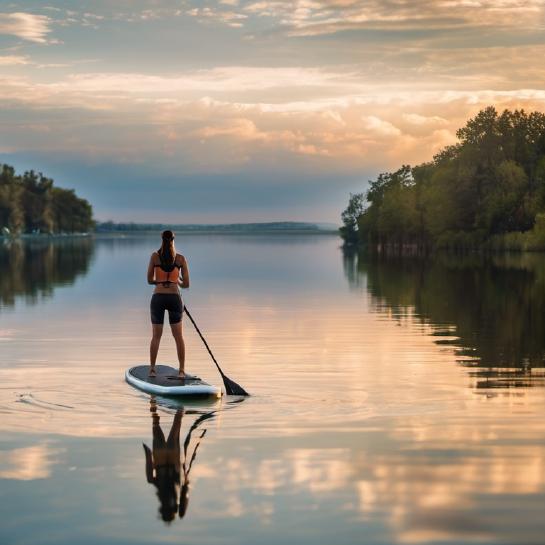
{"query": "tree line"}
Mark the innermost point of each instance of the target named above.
(29, 203)
(488, 189)
(274, 226)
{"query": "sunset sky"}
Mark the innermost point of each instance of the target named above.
(251, 110)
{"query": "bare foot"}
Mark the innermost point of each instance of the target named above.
(181, 374)
(152, 372)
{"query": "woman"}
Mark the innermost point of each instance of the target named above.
(168, 271)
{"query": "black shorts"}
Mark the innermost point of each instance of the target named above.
(166, 301)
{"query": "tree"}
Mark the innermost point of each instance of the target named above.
(70, 213)
(491, 182)
(11, 210)
(381, 219)
(507, 207)
(350, 215)
(30, 203)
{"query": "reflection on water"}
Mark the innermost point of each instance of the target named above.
(167, 466)
(28, 463)
(490, 309)
(32, 268)
(361, 427)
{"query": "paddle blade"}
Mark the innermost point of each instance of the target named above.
(232, 388)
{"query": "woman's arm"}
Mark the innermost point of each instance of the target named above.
(151, 270)
(184, 271)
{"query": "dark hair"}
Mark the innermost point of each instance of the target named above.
(167, 479)
(166, 252)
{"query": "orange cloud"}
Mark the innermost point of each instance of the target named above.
(27, 26)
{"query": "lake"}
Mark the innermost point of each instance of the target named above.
(393, 400)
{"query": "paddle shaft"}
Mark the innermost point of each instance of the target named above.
(204, 341)
(231, 387)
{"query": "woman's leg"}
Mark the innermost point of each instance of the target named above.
(173, 440)
(157, 331)
(180, 345)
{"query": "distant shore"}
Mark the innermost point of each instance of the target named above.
(284, 227)
(110, 229)
(44, 236)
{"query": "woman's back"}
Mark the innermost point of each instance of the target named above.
(166, 275)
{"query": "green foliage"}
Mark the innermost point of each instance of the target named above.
(536, 237)
(350, 215)
(477, 192)
(532, 240)
(506, 206)
(70, 214)
(30, 204)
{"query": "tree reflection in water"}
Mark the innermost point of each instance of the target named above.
(488, 308)
(33, 268)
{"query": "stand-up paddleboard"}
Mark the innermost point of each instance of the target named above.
(166, 382)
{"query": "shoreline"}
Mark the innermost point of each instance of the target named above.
(129, 233)
(408, 250)
(45, 236)
(223, 232)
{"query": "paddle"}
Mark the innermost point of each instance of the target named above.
(231, 387)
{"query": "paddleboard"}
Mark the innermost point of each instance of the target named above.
(166, 382)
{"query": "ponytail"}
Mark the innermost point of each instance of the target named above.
(166, 252)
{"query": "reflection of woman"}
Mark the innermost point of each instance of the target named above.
(168, 271)
(165, 467)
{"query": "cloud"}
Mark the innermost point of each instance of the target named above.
(325, 88)
(422, 120)
(317, 17)
(397, 100)
(240, 117)
(379, 126)
(223, 81)
(243, 129)
(28, 26)
(229, 18)
(12, 60)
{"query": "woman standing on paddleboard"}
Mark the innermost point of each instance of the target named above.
(168, 271)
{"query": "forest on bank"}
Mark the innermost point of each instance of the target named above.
(485, 191)
(29, 203)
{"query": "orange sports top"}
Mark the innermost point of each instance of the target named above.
(167, 277)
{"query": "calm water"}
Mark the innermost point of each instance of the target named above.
(393, 401)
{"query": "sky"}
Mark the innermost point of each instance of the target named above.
(226, 111)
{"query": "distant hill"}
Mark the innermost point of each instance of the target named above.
(267, 227)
